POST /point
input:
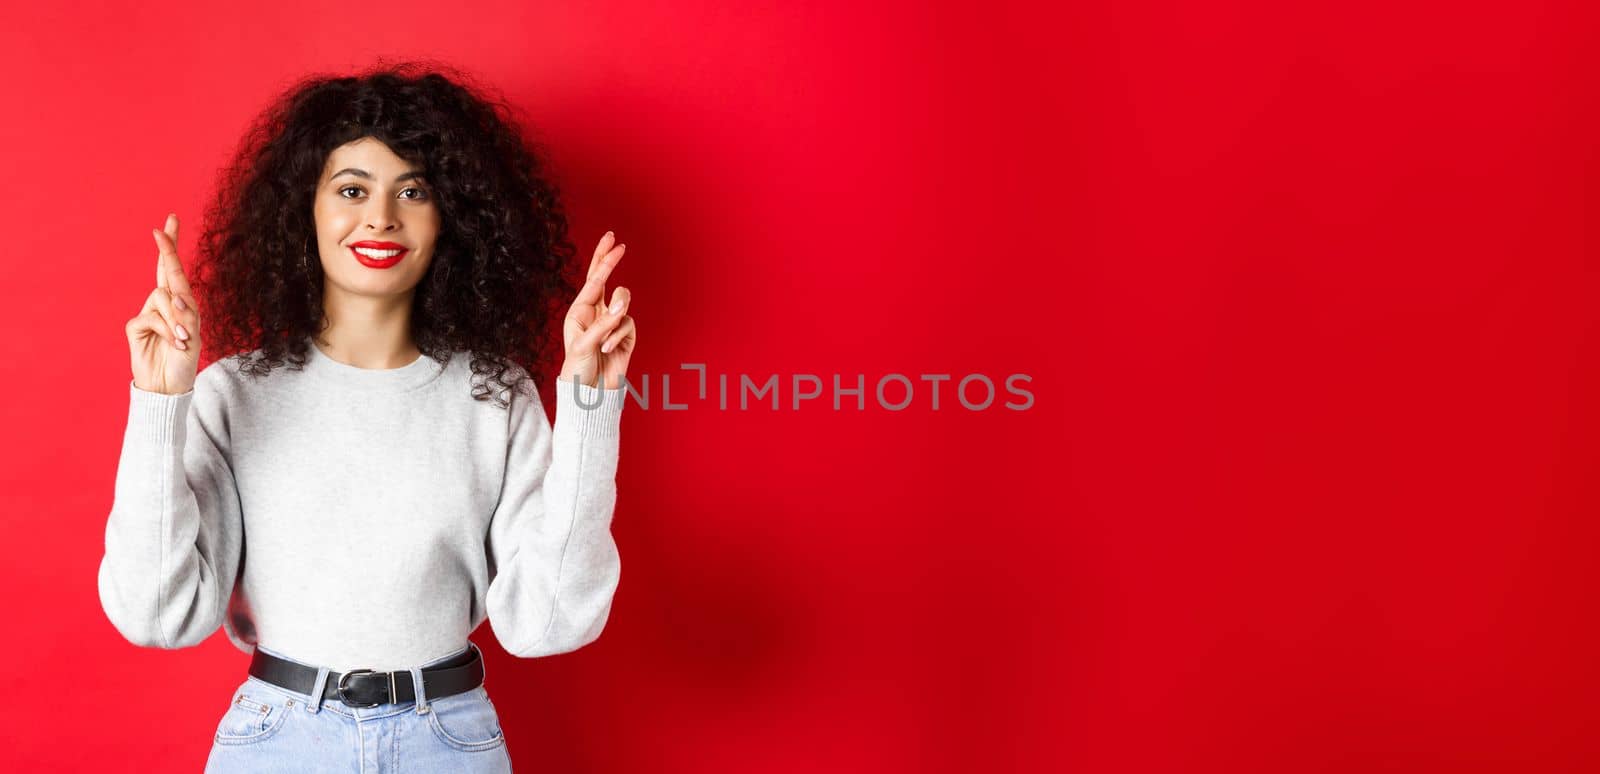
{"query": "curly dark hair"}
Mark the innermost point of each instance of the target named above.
(499, 268)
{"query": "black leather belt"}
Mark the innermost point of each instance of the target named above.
(366, 688)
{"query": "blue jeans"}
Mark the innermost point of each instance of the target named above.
(272, 729)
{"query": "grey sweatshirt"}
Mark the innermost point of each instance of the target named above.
(350, 517)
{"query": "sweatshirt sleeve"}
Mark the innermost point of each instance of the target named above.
(555, 564)
(174, 536)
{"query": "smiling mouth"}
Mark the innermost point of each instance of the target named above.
(378, 258)
(379, 254)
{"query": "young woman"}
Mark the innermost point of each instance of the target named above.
(368, 472)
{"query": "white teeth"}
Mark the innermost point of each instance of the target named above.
(371, 253)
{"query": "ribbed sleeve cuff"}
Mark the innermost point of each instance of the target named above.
(157, 417)
(591, 412)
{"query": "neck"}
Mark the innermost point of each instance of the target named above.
(367, 331)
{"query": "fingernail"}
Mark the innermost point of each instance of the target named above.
(182, 334)
(616, 307)
(177, 301)
(608, 233)
(606, 347)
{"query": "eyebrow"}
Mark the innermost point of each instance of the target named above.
(368, 175)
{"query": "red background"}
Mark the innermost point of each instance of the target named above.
(1306, 297)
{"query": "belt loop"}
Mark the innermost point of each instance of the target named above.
(422, 695)
(481, 660)
(318, 687)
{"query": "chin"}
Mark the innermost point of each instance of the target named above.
(377, 287)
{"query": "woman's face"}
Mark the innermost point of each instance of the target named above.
(369, 204)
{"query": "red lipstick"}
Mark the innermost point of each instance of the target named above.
(375, 262)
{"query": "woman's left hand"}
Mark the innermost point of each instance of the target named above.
(599, 340)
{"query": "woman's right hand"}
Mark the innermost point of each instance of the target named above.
(163, 339)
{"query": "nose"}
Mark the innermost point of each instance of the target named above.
(380, 218)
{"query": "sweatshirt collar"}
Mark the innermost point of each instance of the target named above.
(417, 373)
